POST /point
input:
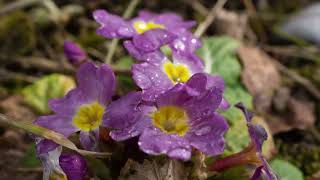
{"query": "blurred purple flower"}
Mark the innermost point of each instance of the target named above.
(50, 163)
(148, 31)
(74, 53)
(258, 135)
(181, 118)
(251, 155)
(73, 165)
(82, 108)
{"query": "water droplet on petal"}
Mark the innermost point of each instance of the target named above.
(203, 130)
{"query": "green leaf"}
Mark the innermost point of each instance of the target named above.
(286, 170)
(124, 63)
(49, 87)
(233, 96)
(237, 137)
(98, 168)
(218, 54)
(30, 159)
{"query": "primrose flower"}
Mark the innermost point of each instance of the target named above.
(74, 166)
(82, 108)
(148, 31)
(74, 53)
(252, 155)
(51, 166)
(182, 118)
(258, 135)
(157, 73)
(63, 167)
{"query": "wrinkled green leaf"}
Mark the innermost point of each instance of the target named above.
(235, 95)
(218, 54)
(286, 170)
(30, 159)
(237, 137)
(49, 87)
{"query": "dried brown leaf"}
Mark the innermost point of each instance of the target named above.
(154, 170)
(259, 75)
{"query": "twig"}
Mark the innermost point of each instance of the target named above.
(210, 18)
(309, 53)
(113, 46)
(299, 79)
(47, 65)
(17, 5)
(28, 170)
(197, 6)
(10, 76)
(53, 9)
(252, 12)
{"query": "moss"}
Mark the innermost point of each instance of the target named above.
(17, 34)
(303, 155)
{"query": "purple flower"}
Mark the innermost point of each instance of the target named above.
(65, 166)
(156, 74)
(74, 53)
(73, 165)
(50, 163)
(148, 31)
(181, 118)
(258, 135)
(251, 155)
(82, 108)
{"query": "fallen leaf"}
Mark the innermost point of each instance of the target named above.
(166, 169)
(259, 75)
(301, 113)
(297, 114)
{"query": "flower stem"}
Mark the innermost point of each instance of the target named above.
(113, 46)
(247, 156)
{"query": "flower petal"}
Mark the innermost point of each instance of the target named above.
(257, 133)
(178, 95)
(204, 104)
(127, 116)
(112, 26)
(153, 141)
(151, 79)
(207, 134)
(68, 104)
(153, 39)
(45, 146)
(204, 81)
(73, 165)
(74, 53)
(96, 84)
(90, 140)
(57, 123)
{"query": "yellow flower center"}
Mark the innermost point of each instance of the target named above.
(176, 72)
(171, 120)
(89, 116)
(55, 175)
(141, 26)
